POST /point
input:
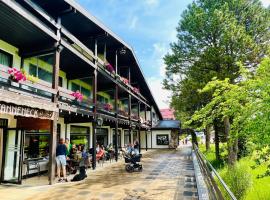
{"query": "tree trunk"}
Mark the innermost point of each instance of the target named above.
(232, 143)
(216, 128)
(207, 137)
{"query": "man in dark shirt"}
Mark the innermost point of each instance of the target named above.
(61, 151)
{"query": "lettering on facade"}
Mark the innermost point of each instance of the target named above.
(25, 111)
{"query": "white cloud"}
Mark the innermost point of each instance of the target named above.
(133, 22)
(161, 95)
(266, 3)
(152, 2)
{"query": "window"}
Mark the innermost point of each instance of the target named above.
(126, 137)
(119, 138)
(5, 59)
(36, 144)
(162, 139)
(60, 81)
(135, 135)
(102, 136)
(40, 73)
(80, 135)
(85, 92)
(102, 99)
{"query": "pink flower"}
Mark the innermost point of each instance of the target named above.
(16, 75)
(124, 80)
(110, 68)
(78, 96)
(136, 90)
(108, 107)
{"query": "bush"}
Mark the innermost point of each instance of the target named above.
(238, 179)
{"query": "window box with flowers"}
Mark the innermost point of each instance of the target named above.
(16, 75)
(124, 80)
(78, 96)
(109, 68)
(136, 90)
(108, 107)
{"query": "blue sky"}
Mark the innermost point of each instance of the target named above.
(149, 27)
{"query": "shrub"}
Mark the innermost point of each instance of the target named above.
(238, 178)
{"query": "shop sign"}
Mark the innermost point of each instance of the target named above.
(25, 111)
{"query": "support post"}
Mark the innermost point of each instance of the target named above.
(53, 128)
(139, 108)
(151, 119)
(146, 131)
(116, 111)
(129, 106)
(94, 160)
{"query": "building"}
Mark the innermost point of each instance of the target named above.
(66, 75)
(167, 114)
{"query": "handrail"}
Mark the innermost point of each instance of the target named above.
(204, 160)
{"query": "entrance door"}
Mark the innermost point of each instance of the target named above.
(12, 156)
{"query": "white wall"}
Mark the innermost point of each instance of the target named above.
(160, 132)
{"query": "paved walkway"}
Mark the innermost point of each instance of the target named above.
(167, 174)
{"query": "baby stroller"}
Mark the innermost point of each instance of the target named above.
(133, 162)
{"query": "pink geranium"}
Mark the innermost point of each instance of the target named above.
(136, 90)
(110, 68)
(124, 80)
(108, 107)
(16, 75)
(78, 96)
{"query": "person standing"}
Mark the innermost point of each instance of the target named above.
(69, 146)
(61, 153)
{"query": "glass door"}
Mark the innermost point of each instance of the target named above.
(12, 156)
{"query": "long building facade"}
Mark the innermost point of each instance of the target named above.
(63, 74)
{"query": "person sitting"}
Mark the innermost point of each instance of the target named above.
(100, 153)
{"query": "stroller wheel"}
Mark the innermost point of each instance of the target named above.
(140, 168)
(129, 168)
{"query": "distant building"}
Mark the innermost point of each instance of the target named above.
(167, 114)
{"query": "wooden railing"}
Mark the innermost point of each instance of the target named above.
(38, 88)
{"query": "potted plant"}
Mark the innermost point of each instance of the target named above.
(110, 68)
(32, 79)
(108, 107)
(124, 80)
(16, 75)
(78, 96)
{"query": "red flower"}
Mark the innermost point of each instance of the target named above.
(110, 68)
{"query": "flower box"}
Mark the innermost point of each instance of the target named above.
(16, 75)
(78, 96)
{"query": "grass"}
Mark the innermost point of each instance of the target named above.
(260, 186)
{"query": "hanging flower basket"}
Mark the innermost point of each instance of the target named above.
(16, 75)
(78, 96)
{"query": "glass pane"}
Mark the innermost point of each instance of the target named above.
(44, 75)
(5, 59)
(33, 70)
(75, 87)
(12, 156)
(80, 140)
(60, 81)
(102, 140)
(36, 145)
(79, 130)
(102, 131)
(85, 92)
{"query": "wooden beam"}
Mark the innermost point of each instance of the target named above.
(116, 112)
(95, 112)
(53, 137)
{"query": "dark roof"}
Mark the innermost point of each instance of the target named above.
(167, 124)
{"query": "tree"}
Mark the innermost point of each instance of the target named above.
(212, 36)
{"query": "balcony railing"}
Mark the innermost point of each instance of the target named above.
(123, 113)
(70, 103)
(105, 108)
(134, 117)
(35, 87)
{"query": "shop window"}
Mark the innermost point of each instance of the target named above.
(162, 139)
(36, 144)
(79, 135)
(102, 136)
(5, 59)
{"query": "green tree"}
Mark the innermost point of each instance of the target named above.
(212, 36)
